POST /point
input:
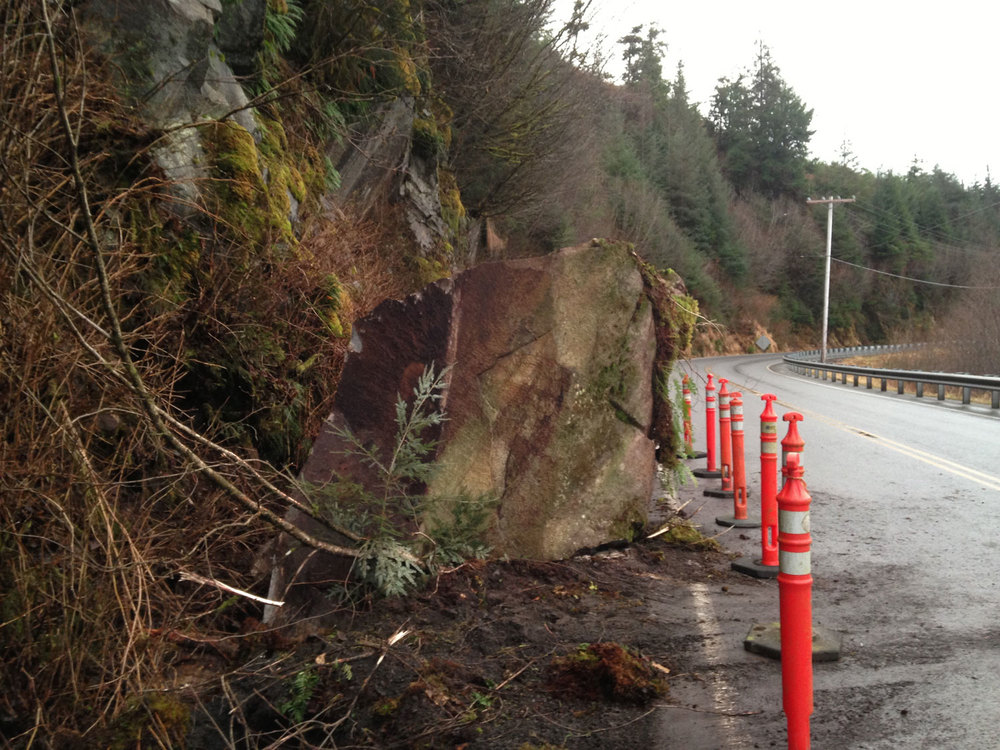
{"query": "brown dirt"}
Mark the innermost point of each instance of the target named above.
(500, 654)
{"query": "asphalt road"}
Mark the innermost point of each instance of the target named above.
(906, 566)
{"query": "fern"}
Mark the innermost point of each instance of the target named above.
(300, 693)
(281, 22)
(387, 566)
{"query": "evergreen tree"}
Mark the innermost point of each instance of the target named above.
(762, 129)
(643, 55)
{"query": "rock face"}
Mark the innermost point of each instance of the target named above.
(167, 62)
(549, 399)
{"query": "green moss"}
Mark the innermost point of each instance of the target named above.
(684, 533)
(427, 139)
(296, 184)
(408, 71)
(335, 307)
(234, 158)
(385, 708)
(452, 208)
(607, 671)
(429, 270)
(258, 212)
(171, 276)
(135, 726)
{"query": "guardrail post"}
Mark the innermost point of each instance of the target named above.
(807, 362)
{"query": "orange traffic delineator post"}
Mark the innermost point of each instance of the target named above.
(792, 442)
(725, 445)
(767, 565)
(711, 471)
(689, 451)
(740, 519)
(795, 595)
(725, 436)
(795, 640)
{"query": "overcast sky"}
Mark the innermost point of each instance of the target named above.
(896, 80)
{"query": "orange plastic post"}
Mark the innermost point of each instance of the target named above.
(710, 425)
(767, 565)
(739, 476)
(792, 442)
(769, 483)
(725, 437)
(795, 604)
(688, 447)
(739, 465)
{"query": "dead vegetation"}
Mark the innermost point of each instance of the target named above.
(133, 507)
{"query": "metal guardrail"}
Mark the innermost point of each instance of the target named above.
(808, 363)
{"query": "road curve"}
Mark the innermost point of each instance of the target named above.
(906, 562)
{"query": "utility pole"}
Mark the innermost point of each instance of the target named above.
(829, 247)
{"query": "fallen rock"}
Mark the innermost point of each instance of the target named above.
(549, 398)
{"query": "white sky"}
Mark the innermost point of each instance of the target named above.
(897, 80)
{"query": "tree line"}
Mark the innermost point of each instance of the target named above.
(720, 197)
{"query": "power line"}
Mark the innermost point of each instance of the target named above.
(910, 278)
(950, 241)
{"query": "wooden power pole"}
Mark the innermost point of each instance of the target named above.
(829, 247)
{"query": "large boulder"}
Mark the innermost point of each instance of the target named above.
(549, 397)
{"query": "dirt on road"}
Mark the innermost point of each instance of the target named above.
(609, 649)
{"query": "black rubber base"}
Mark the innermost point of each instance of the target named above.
(718, 493)
(755, 569)
(765, 639)
(706, 474)
(739, 523)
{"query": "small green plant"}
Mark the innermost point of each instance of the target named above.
(392, 562)
(457, 538)
(481, 701)
(407, 463)
(301, 689)
(281, 23)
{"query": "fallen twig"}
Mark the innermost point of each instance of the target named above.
(185, 576)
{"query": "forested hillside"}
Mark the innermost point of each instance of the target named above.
(198, 199)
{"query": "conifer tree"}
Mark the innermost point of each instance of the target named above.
(762, 129)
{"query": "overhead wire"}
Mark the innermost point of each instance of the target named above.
(909, 278)
(941, 238)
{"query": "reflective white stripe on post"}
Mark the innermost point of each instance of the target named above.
(737, 425)
(794, 563)
(769, 448)
(793, 521)
(784, 457)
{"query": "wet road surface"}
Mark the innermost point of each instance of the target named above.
(906, 567)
